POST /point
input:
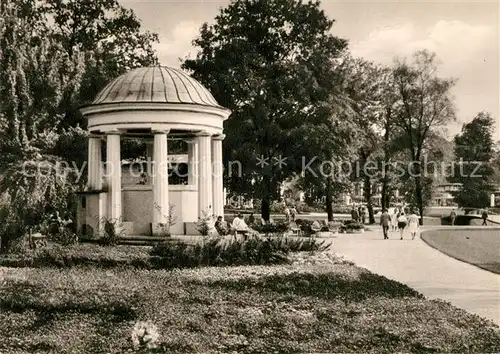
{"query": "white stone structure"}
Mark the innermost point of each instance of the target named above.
(158, 104)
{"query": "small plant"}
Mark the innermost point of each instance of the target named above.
(171, 221)
(144, 335)
(64, 237)
(204, 224)
(59, 230)
(113, 231)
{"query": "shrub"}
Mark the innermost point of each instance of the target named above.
(303, 207)
(305, 225)
(334, 226)
(341, 210)
(112, 232)
(20, 245)
(351, 225)
(218, 252)
(279, 227)
(212, 252)
(203, 225)
(80, 255)
(461, 220)
(63, 236)
(277, 208)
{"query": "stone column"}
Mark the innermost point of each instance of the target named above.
(217, 172)
(160, 181)
(193, 161)
(94, 182)
(114, 172)
(95, 203)
(205, 198)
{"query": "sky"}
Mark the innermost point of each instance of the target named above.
(463, 34)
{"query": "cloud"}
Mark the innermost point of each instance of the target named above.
(177, 43)
(454, 42)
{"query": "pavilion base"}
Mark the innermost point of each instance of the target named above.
(159, 229)
(127, 228)
(191, 228)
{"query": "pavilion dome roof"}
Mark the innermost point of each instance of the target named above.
(155, 84)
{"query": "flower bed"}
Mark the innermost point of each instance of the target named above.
(352, 227)
(317, 304)
(211, 252)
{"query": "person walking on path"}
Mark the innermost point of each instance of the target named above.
(354, 215)
(413, 224)
(385, 222)
(402, 221)
(485, 217)
(453, 216)
(394, 220)
(293, 213)
(287, 215)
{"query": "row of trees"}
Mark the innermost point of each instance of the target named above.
(296, 92)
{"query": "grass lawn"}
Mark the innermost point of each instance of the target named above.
(314, 305)
(474, 246)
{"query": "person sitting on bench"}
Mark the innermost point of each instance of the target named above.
(239, 225)
(221, 226)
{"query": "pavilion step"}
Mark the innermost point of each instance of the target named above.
(137, 243)
(142, 240)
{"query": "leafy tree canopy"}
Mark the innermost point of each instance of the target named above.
(426, 107)
(272, 63)
(54, 56)
(474, 164)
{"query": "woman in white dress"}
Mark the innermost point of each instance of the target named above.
(413, 224)
(394, 219)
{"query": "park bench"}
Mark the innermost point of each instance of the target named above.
(296, 231)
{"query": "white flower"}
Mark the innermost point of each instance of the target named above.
(145, 334)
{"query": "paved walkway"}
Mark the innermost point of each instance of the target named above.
(425, 269)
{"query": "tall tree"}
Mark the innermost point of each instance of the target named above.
(270, 62)
(361, 87)
(474, 153)
(326, 173)
(426, 106)
(35, 77)
(112, 42)
(54, 56)
(371, 90)
(434, 167)
(109, 34)
(387, 107)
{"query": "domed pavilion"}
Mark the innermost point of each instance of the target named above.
(158, 104)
